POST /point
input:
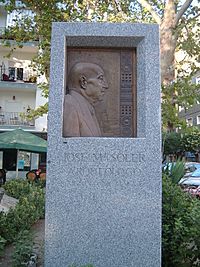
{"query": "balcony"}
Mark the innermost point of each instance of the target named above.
(15, 119)
(13, 74)
(16, 78)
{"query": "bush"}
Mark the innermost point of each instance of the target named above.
(175, 171)
(181, 227)
(2, 245)
(28, 210)
(23, 249)
(17, 188)
(172, 143)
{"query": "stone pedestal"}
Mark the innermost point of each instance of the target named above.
(103, 203)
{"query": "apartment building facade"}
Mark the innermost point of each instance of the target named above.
(19, 92)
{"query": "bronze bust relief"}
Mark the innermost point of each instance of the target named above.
(87, 85)
(90, 110)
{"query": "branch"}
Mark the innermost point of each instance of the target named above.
(182, 11)
(146, 5)
(118, 6)
(195, 17)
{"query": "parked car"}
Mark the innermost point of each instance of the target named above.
(191, 184)
(190, 168)
(194, 174)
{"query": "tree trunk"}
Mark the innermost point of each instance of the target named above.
(168, 40)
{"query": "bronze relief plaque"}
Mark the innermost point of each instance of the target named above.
(100, 98)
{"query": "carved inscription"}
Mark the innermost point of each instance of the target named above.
(91, 169)
(105, 157)
(94, 171)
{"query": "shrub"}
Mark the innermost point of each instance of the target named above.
(32, 193)
(175, 171)
(23, 249)
(171, 143)
(28, 210)
(181, 227)
(17, 188)
(2, 245)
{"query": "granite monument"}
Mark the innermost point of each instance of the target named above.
(103, 195)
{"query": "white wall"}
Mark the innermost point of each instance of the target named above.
(41, 122)
(23, 100)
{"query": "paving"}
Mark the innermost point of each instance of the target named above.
(38, 232)
(38, 248)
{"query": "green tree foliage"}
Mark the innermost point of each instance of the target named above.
(176, 144)
(191, 140)
(179, 29)
(172, 143)
(180, 227)
(182, 93)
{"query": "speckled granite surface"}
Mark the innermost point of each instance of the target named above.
(104, 194)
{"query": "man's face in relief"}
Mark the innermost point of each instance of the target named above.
(96, 84)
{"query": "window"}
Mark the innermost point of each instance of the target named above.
(15, 73)
(10, 159)
(189, 121)
(197, 80)
(42, 161)
(19, 73)
(24, 160)
(11, 73)
(198, 119)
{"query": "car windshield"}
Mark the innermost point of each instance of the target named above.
(196, 173)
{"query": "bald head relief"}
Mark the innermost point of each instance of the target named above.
(87, 85)
(89, 80)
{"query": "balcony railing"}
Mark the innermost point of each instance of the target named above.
(13, 74)
(15, 119)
